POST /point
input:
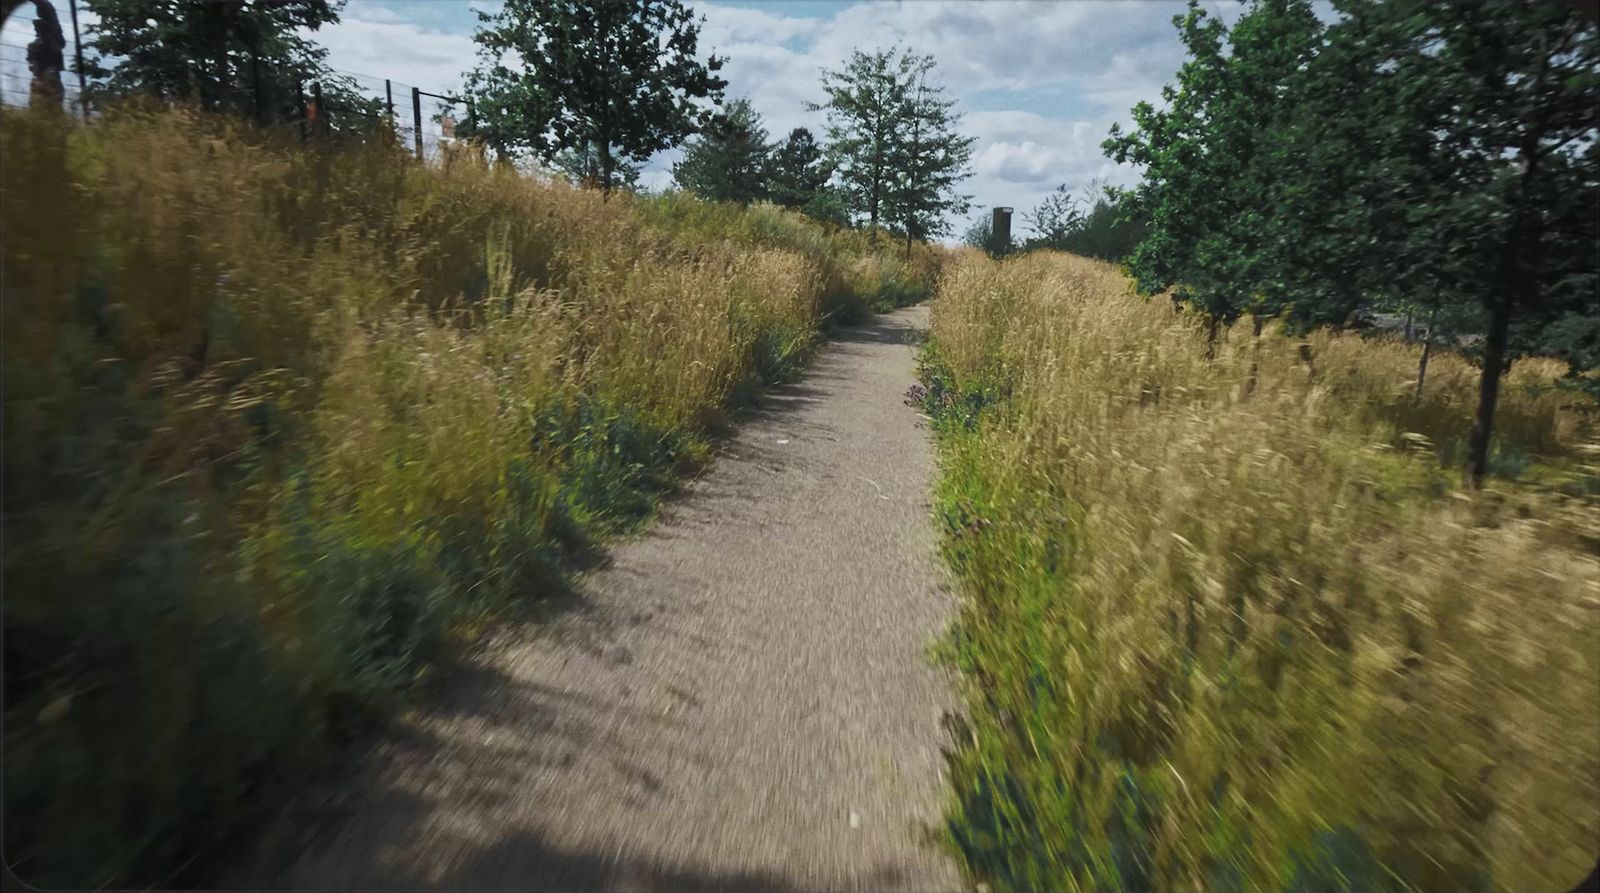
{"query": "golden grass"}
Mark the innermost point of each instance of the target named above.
(1232, 637)
(280, 418)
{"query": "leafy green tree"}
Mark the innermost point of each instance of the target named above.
(1054, 220)
(1211, 172)
(1109, 229)
(727, 162)
(616, 78)
(929, 158)
(1437, 157)
(796, 170)
(250, 58)
(1499, 107)
(828, 205)
(866, 107)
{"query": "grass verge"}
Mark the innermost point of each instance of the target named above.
(283, 422)
(1231, 624)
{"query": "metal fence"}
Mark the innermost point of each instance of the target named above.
(424, 120)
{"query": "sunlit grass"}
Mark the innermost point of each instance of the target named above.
(280, 420)
(1234, 624)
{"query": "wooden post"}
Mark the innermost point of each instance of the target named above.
(416, 119)
(388, 99)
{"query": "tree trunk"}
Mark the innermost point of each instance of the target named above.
(1427, 348)
(1494, 363)
(605, 169)
(1212, 327)
(1255, 354)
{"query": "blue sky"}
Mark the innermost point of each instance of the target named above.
(1040, 83)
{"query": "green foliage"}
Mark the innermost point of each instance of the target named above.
(930, 158)
(1210, 177)
(892, 142)
(981, 235)
(618, 79)
(1109, 230)
(797, 173)
(252, 59)
(581, 165)
(727, 162)
(1409, 154)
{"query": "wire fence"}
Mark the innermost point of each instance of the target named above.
(423, 121)
(16, 80)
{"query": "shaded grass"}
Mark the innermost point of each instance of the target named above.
(1227, 635)
(281, 424)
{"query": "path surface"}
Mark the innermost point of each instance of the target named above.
(744, 702)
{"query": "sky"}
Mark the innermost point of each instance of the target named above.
(1039, 83)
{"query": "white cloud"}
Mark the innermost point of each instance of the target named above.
(370, 40)
(1041, 82)
(738, 24)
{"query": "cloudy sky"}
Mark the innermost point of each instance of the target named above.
(1040, 83)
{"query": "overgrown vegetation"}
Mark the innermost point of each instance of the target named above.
(279, 422)
(1229, 623)
(1406, 155)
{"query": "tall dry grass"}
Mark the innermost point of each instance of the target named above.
(1233, 625)
(280, 420)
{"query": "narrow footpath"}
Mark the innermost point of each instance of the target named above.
(742, 701)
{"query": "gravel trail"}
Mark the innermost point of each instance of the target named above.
(742, 700)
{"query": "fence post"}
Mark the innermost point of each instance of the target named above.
(388, 99)
(416, 118)
(77, 50)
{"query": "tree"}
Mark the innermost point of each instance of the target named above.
(582, 166)
(615, 78)
(1212, 174)
(1054, 220)
(1109, 230)
(728, 161)
(248, 58)
(930, 158)
(796, 170)
(1500, 114)
(867, 105)
(1443, 158)
(981, 235)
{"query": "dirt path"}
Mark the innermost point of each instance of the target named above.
(743, 703)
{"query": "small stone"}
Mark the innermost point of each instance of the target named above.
(855, 820)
